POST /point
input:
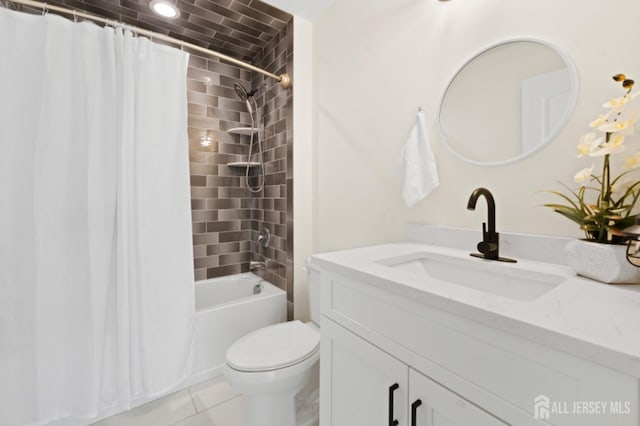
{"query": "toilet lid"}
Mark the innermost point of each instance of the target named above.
(273, 347)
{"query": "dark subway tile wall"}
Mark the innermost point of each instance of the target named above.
(221, 203)
(227, 217)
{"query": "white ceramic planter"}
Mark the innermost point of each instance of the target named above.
(606, 263)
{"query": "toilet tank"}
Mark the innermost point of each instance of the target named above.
(313, 280)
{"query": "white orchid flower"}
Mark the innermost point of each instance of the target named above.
(634, 160)
(618, 104)
(602, 119)
(588, 143)
(614, 146)
(593, 146)
(584, 174)
(616, 140)
(624, 127)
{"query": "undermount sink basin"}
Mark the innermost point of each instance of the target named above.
(507, 280)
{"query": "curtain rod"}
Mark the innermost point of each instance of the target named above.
(283, 79)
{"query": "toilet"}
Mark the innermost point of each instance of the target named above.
(273, 364)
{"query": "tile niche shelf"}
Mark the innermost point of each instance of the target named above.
(245, 131)
(243, 164)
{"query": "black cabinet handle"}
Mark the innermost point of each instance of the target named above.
(392, 389)
(414, 411)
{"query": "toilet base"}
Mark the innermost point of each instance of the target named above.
(270, 410)
(271, 395)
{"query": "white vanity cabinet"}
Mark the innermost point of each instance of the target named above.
(367, 386)
(464, 371)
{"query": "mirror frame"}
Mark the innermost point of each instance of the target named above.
(573, 99)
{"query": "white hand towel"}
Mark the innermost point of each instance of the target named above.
(419, 164)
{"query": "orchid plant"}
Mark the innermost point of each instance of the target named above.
(614, 198)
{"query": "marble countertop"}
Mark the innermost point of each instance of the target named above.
(591, 320)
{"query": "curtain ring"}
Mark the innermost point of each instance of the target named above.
(75, 17)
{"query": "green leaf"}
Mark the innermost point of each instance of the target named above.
(571, 214)
(621, 175)
(631, 191)
(569, 200)
(625, 222)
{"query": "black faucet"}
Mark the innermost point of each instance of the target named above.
(489, 247)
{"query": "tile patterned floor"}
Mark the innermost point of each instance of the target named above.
(211, 403)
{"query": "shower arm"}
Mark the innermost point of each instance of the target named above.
(283, 79)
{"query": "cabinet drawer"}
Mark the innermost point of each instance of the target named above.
(511, 368)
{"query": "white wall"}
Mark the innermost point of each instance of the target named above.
(302, 162)
(375, 62)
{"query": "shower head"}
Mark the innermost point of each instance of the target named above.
(241, 91)
(244, 95)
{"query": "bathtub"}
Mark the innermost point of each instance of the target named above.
(227, 309)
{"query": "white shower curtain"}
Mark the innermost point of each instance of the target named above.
(96, 278)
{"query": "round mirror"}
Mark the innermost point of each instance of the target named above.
(508, 101)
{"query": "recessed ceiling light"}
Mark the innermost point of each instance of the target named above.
(164, 9)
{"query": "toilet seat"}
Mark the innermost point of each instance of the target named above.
(274, 347)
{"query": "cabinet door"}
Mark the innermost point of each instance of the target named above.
(438, 406)
(359, 383)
